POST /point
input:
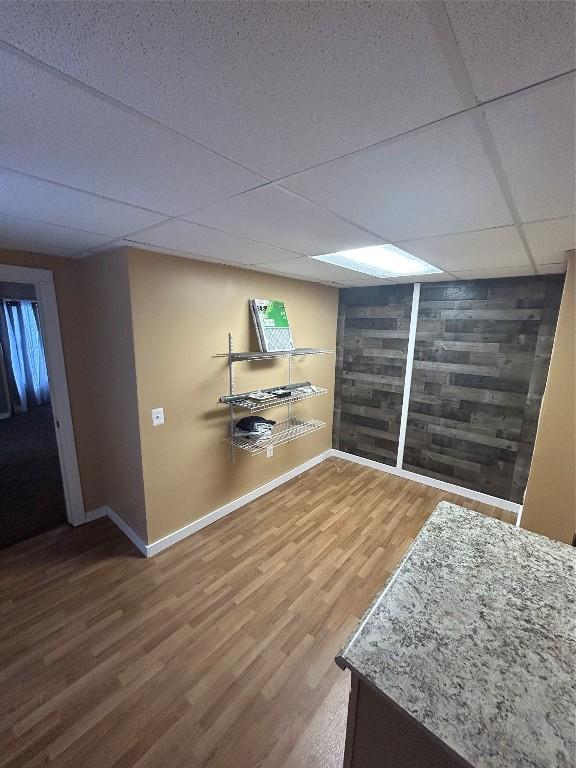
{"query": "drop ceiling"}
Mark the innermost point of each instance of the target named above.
(261, 134)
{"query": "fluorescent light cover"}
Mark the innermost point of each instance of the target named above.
(379, 261)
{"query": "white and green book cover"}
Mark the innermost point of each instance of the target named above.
(271, 323)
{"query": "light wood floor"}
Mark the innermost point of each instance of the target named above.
(218, 652)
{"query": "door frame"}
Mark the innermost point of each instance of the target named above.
(43, 282)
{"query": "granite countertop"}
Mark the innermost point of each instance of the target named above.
(474, 636)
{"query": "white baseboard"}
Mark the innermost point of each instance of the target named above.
(182, 533)
(149, 550)
(127, 531)
(509, 506)
(217, 514)
(95, 514)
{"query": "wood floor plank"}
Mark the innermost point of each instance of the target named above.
(219, 651)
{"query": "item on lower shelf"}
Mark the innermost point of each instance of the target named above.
(283, 432)
(252, 437)
(253, 427)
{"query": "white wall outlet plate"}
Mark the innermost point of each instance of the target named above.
(157, 416)
(269, 451)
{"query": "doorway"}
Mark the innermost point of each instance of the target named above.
(47, 307)
(32, 497)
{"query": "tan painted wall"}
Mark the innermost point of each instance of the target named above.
(139, 330)
(95, 322)
(182, 311)
(173, 314)
(550, 501)
(111, 391)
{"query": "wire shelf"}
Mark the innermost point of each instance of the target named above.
(237, 357)
(282, 432)
(255, 405)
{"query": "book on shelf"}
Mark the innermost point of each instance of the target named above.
(271, 325)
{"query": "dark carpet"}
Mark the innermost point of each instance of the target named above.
(31, 492)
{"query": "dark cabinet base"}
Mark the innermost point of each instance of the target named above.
(381, 735)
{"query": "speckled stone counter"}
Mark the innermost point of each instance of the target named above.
(474, 637)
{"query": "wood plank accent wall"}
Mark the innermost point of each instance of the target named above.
(480, 365)
(373, 327)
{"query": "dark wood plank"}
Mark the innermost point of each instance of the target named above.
(480, 365)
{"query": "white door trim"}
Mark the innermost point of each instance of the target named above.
(408, 374)
(43, 282)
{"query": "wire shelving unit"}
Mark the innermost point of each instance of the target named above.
(283, 431)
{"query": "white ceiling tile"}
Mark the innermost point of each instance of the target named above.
(552, 269)
(434, 182)
(432, 278)
(276, 86)
(136, 244)
(37, 199)
(549, 240)
(273, 215)
(353, 283)
(534, 133)
(38, 237)
(471, 250)
(288, 276)
(192, 239)
(58, 131)
(359, 285)
(314, 270)
(443, 277)
(510, 45)
(484, 274)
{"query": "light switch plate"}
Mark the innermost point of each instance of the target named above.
(157, 416)
(269, 451)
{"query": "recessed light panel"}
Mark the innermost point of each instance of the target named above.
(379, 261)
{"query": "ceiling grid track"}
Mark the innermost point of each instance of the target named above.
(444, 33)
(478, 107)
(96, 93)
(431, 8)
(438, 16)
